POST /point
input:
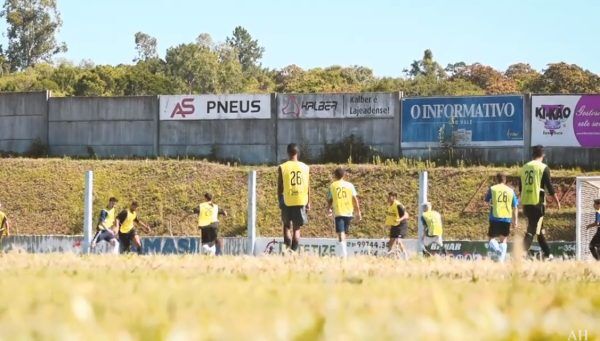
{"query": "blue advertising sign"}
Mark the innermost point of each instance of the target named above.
(484, 121)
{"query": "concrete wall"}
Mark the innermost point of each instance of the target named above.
(23, 119)
(105, 126)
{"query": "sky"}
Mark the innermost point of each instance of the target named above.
(384, 35)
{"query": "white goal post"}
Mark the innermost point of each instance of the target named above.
(588, 189)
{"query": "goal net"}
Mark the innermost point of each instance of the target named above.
(588, 189)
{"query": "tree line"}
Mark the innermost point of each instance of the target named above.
(30, 63)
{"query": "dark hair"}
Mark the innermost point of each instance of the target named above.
(537, 151)
(208, 196)
(292, 149)
(339, 172)
(113, 199)
(501, 177)
(393, 194)
(597, 202)
(134, 203)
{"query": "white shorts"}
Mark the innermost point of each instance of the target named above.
(427, 241)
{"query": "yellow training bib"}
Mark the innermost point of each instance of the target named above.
(127, 225)
(342, 193)
(434, 223)
(109, 220)
(531, 182)
(502, 200)
(392, 217)
(295, 183)
(209, 213)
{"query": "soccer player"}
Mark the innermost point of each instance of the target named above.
(4, 224)
(595, 243)
(396, 219)
(343, 198)
(432, 221)
(208, 223)
(503, 212)
(294, 196)
(128, 219)
(106, 222)
(535, 176)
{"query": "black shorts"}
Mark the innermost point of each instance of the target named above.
(296, 215)
(208, 234)
(400, 231)
(535, 218)
(498, 228)
(125, 240)
(342, 224)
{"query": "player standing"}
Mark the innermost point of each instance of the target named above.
(535, 176)
(432, 220)
(595, 243)
(4, 224)
(128, 218)
(208, 223)
(503, 212)
(106, 222)
(294, 196)
(396, 219)
(343, 198)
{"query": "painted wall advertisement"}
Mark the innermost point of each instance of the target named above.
(359, 105)
(483, 121)
(215, 107)
(566, 121)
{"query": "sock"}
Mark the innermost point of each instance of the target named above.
(213, 250)
(205, 249)
(544, 245)
(287, 241)
(294, 245)
(344, 249)
(494, 249)
(218, 250)
(527, 241)
(115, 249)
(503, 250)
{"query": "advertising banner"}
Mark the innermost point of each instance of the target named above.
(483, 121)
(358, 105)
(215, 107)
(566, 121)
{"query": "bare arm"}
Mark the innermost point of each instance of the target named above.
(357, 207)
(7, 225)
(279, 181)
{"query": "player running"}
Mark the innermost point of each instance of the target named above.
(344, 199)
(535, 176)
(294, 196)
(106, 222)
(432, 221)
(128, 218)
(396, 219)
(208, 223)
(595, 243)
(4, 224)
(503, 212)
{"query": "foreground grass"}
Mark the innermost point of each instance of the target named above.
(60, 297)
(45, 196)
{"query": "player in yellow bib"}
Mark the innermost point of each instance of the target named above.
(342, 201)
(535, 182)
(208, 223)
(396, 218)
(108, 226)
(293, 191)
(432, 221)
(4, 224)
(503, 213)
(128, 219)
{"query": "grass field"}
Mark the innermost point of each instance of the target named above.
(64, 297)
(44, 196)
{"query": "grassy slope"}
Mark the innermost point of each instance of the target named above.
(58, 297)
(45, 196)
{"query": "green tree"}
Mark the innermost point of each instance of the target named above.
(194, 67)
(248, 49)
(524, 75)
(32, 26)
(426, 67)
(145, 46)
(567, 78)
(486, 78)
